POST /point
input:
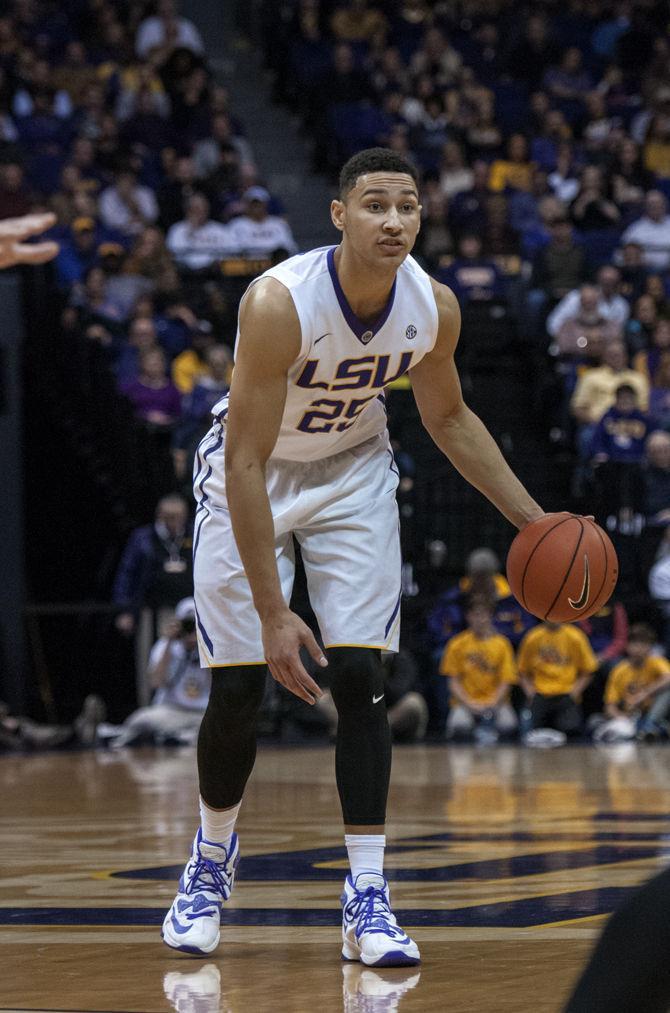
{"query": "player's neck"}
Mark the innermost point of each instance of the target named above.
(367, 292)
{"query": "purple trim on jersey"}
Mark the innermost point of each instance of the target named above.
(202, 507)
(204, 634)
(357, 326)
(201, 486)
(393, 615)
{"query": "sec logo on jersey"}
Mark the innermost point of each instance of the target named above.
(410, 332)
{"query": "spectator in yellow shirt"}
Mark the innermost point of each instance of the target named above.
(638, 688)
(191, 365)
(479, 664)
(555, 664)
(514, 172)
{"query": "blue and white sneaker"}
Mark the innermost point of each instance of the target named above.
(370, 932)
(193, 922)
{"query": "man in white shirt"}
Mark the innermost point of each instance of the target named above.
(612, 306)
(652, 232)
(126, 206)
(197, 242)
(166, 30)
(257, 234)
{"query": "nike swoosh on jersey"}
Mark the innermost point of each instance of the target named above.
(322, 337)
(586, 587)
(376, 699)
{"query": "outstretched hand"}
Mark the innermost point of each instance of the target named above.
(12, 233)
(283, 636)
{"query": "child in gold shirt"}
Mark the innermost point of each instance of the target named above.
(479, 664)
(637, 694)
(555, 663)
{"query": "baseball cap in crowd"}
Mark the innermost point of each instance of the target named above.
(185, 609)
(83, 224)
(110, 250)
(257, 193)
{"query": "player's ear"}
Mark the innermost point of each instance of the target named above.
(337, 214)
(420, 209)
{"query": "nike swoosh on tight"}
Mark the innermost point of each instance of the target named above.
(376, 699)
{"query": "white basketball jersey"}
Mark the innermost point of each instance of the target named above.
(335, 390)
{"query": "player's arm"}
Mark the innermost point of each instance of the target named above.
(456, 688)
(456, 430)
(269, 343)
(663, 682)
(582, 681)
(527, 684)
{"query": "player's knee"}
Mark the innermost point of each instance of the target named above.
(237, 693)
(357, 680)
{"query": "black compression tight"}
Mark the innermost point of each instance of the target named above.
(227, 738)
(363, 747)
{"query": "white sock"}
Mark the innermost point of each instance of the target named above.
(218, 825)
(366, 853)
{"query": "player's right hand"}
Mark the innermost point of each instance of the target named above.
(13, 231)
(283, 636)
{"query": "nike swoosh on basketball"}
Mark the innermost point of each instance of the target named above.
(376, 699)
(322, 337)
(586, 587)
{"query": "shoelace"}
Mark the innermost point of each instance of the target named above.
(217, 872)
(370, 910)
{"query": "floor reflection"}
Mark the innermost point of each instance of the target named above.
(364, 989)
(195, 991)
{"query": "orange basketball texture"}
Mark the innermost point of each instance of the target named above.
(562, 567)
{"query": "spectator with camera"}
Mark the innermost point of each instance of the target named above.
(180, 688)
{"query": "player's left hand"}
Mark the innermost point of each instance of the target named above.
(283, 636)
(12, 233)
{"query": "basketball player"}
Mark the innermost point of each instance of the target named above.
(300, 448)
(13, 250)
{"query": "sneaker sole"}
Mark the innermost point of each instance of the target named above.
(394, 958)
(196, 951)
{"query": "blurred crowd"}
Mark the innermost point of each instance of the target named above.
(111, 118)
(541, 134)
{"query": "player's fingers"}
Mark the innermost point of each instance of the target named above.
(305, 681)
(27, 225)
(309, 641)
(35, 253)
(281, 673)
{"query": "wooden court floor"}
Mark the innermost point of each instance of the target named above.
(504, 863)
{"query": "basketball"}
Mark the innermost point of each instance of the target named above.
(562, 567)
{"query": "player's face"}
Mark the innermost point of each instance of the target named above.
(380, 217)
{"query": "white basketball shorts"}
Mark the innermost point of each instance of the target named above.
(343, 513)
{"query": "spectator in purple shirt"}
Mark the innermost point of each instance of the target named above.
(154, 397)
(621, 433)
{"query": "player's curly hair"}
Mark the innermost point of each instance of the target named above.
(373, 160)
